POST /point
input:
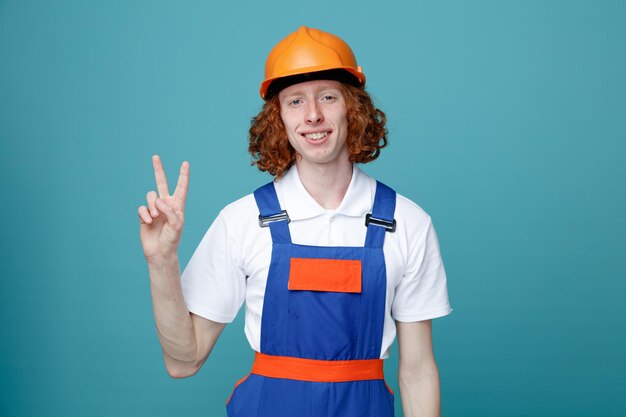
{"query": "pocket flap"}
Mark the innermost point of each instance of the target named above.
(336, 275)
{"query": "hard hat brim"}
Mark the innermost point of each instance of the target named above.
(348, 75)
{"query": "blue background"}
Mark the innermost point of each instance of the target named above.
(507, 124)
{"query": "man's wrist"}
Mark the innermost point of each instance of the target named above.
(163, 262)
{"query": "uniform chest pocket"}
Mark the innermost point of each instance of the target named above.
(324, 307)
(328, 275)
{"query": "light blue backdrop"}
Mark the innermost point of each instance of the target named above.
(507, 124)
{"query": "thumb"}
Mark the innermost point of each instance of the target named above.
(173, 221)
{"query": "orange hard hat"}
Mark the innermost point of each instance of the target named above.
(307, 51)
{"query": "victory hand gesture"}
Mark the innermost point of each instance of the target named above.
(161, 223)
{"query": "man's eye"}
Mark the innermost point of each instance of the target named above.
(295, 102)
(328, 98)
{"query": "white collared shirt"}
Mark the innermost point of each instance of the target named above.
(231, 263)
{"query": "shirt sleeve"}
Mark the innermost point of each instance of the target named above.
(213, 282)
(422, 293)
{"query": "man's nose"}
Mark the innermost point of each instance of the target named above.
(314, 114)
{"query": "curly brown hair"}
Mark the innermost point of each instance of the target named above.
(272, 152)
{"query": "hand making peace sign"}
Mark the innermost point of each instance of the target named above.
(161, 223)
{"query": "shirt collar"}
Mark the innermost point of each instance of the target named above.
(300, 205)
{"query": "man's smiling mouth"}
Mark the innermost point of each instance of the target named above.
(316, 135)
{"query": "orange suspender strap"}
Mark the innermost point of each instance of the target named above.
(315, 370)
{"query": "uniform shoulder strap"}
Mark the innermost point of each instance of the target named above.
(381, 219)
(270, 214)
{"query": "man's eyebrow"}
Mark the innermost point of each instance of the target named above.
(295, 93)
(316, 91)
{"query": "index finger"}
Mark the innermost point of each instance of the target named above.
(159, 176)
(183, 183)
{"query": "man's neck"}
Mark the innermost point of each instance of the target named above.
(326, 184)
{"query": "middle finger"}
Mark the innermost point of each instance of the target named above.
(159, 176)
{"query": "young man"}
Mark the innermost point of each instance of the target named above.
(331, 263)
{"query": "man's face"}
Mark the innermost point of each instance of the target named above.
(315, 118)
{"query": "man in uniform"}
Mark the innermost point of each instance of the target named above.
(330, 263)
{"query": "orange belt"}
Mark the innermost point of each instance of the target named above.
(317, 370)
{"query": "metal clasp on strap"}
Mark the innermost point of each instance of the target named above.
(264, 221)
(388, 225)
